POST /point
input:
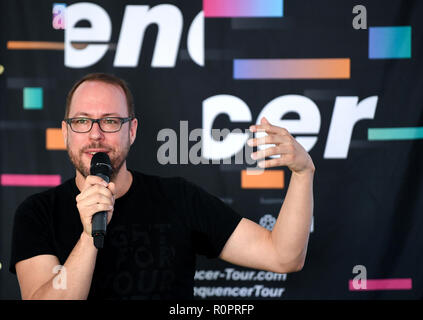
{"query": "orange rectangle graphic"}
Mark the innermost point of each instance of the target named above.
(268, 179)
(321, 68)
(35, 45)
(54, 139)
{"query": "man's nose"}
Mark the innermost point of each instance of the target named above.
(96, 132)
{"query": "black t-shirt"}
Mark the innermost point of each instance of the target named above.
(149, 252)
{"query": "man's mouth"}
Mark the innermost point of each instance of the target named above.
(91, 152)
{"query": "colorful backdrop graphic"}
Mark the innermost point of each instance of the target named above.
(242, 8)
(292, 69)
(352, 97)
(390, 42)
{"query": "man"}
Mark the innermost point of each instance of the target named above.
(156, 226)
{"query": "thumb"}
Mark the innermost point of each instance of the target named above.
(264, 121)
(112, 187)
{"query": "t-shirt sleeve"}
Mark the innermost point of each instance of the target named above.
(30, 235)
(212, 220)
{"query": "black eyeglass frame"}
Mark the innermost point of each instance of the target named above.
(122, 121)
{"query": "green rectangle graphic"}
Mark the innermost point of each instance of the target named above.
(33, 98)
(411, 133)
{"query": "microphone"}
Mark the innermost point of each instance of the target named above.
(100, 167)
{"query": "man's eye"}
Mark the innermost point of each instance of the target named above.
(110, 121)
(81, 121)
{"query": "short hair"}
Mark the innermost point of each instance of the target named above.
(107, 78)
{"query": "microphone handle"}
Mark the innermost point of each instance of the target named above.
(99, 225)
(99, 222)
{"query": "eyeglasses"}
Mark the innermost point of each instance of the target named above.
(108, 124)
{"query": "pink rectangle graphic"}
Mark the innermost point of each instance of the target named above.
(30, 180)
(381, 284)
(242, 8)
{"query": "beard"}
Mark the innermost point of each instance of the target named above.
(116, 159)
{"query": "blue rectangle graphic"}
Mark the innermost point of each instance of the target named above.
(390, 42)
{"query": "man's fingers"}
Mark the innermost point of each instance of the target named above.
(264, 121)
(101, 207)
(96, 198)
(88, 211)
(94, 189)
(281, 149)
(271, 163)
(98, 207)
(270, 139)
(265, 153)
(92, 180)
(268, 128)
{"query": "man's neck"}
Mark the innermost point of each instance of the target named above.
(122, 180)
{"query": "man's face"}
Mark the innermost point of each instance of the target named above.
(95, 99)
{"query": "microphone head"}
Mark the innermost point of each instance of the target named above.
(100, 164)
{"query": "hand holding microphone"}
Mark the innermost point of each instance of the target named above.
(96, 200)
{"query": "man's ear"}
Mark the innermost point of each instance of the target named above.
(133, 130)
(65, 132)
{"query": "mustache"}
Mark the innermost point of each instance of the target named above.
(96, 146)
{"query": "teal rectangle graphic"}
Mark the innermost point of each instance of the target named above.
(390, 42)
(413, 133)
(32, 98)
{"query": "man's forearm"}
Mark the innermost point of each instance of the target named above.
(75, 277)
(291, 231)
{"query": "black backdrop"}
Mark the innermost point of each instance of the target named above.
(368, 204)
